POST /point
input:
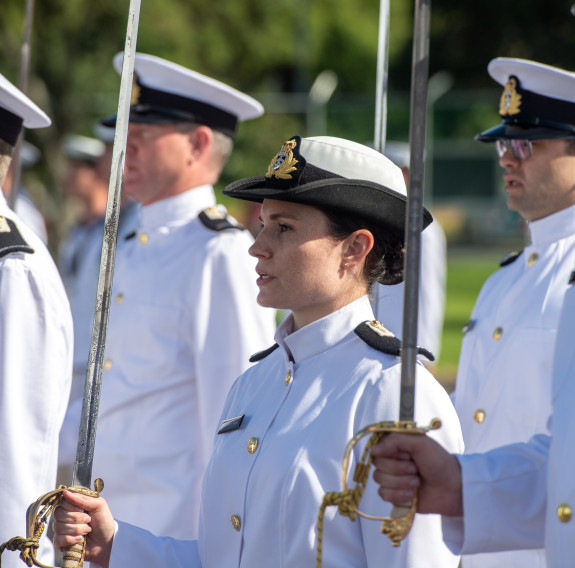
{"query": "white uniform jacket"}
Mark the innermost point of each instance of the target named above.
(503, 388)
(389, 299)
(267, 477)
(183, 323)
(35, 374)
(523, 495)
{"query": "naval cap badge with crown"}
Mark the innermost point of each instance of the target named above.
(284, 162)
(510, 102)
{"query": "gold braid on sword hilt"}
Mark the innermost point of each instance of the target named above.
(398, 525)
(37, 518)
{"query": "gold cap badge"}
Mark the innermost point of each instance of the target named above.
(283, 162)
(135, 98)
(510, 102)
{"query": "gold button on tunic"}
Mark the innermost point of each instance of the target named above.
(253, 445)
(143, 238)
(236, 523)
(564, 513)
(107, 364)
(479, 416)
(119, 298)
(497, 333)
(288, 377)
(533, 257)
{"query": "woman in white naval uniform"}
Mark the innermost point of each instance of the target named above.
(333, 371)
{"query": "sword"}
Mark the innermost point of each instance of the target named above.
(414, 213)
(399, 524)
(23, 86)
(82, 473)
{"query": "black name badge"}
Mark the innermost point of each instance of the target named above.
(231, 424)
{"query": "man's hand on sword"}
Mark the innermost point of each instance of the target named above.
(79, 515)
(404, 463)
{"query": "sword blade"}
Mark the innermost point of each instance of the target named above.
(380, 130)
(23, 86)
(381, 78)
(82, 474)
(414, 213)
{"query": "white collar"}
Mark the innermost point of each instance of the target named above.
(324, 333)
(553, 227)
(181, 207)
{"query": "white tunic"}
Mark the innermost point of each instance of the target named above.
(512, 495)
(337, 386)
(431, 309)
(506, 356)
(183, 324)
(35, 374)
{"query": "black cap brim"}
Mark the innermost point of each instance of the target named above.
(524, 133)
(369, 200)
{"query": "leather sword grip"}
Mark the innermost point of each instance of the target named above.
(74, 555)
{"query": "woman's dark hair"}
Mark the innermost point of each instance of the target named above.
(384, 263)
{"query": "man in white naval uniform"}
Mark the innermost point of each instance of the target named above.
(503, 388)
(184, 318)
(35, 347)
(519, 496)
(388, 300)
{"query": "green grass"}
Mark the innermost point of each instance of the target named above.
(466, 273)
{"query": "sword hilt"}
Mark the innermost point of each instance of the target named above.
(397, 526)
(37, 518)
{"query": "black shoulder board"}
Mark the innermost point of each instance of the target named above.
(10, 238)
(263, 354)
(216, 220)
(510, 258)
(376, 336)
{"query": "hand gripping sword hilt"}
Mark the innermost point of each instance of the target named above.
(399, 524)
(37, 517)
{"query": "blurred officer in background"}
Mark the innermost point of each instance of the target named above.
(503, 388)
(35, 347)
(389, 299)
(25, 206)
(184, 318)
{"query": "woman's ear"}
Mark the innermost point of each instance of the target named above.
(356, 247)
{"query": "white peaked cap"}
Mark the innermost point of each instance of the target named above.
(352, 160)
(17, 110)
(83, 148)
(167, 92)
(539, 78)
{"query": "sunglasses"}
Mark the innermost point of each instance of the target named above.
(521, 149)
